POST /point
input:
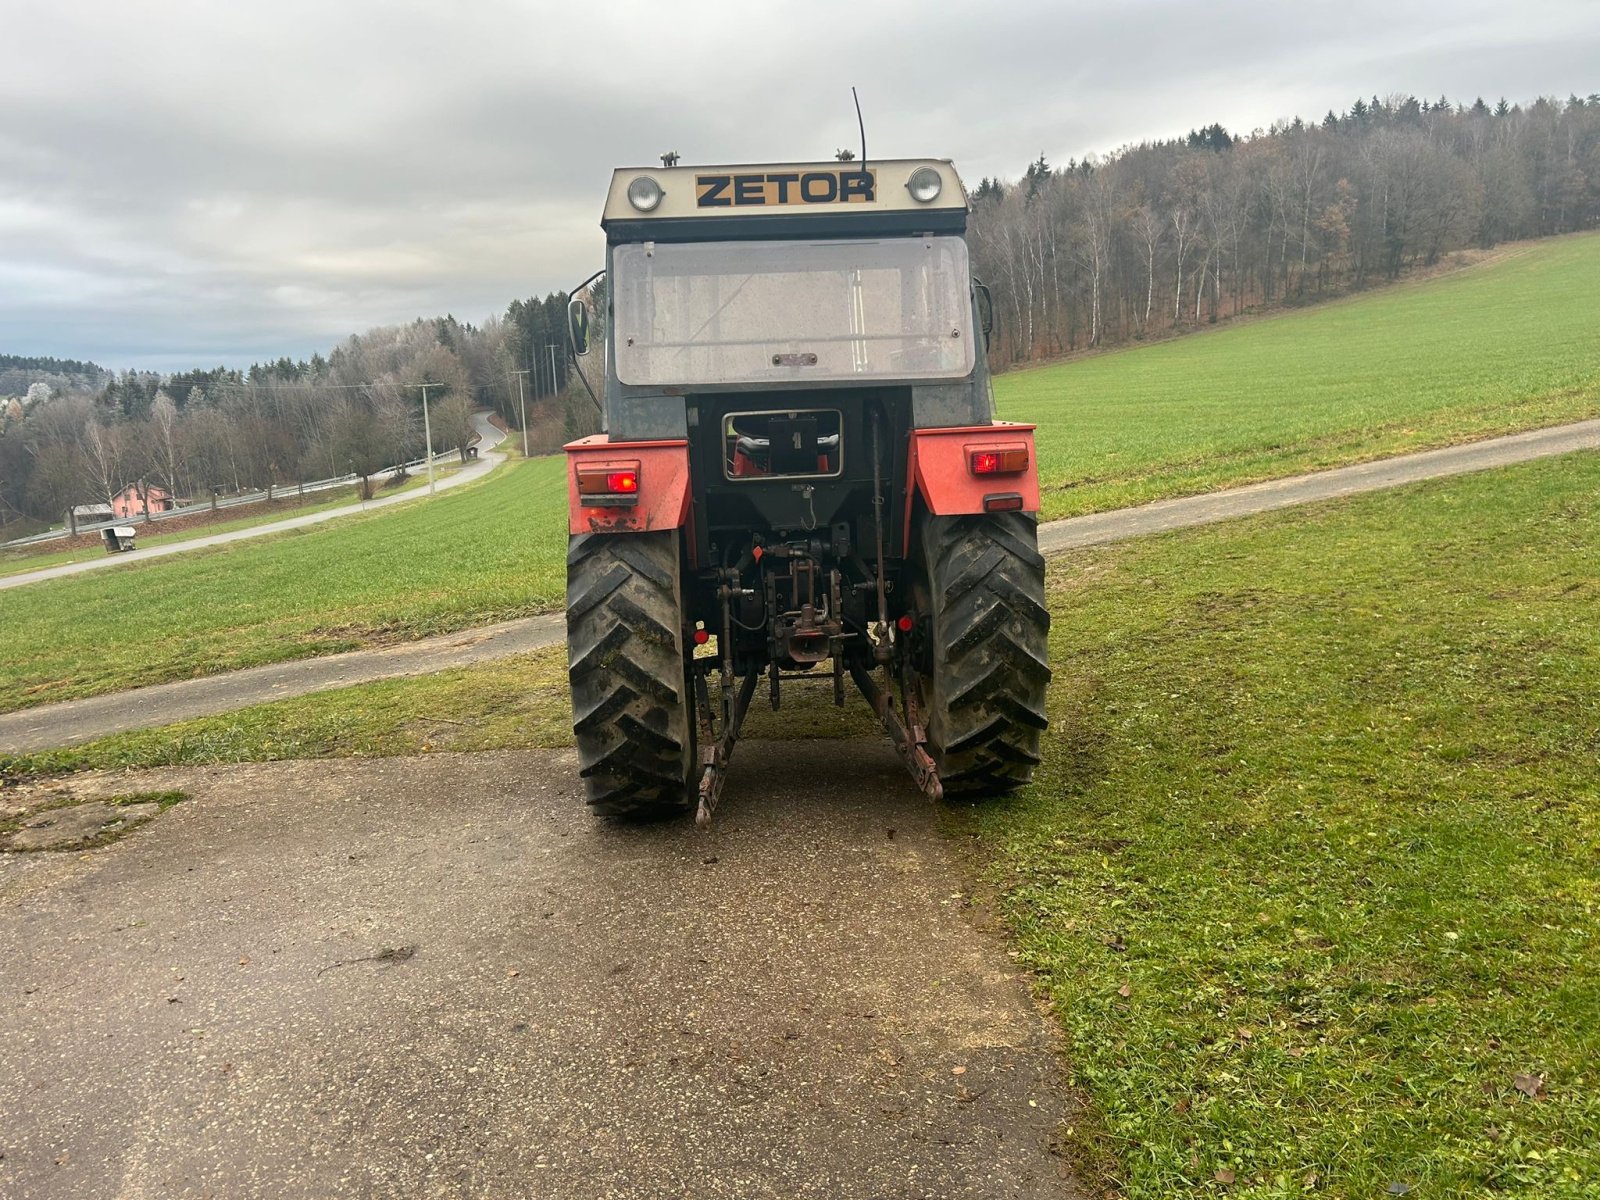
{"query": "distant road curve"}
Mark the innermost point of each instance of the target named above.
(75, 721)
(487, 461)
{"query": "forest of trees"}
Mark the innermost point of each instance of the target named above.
(71, 433)
(1168, 235)
(1151, 240)
(21, 376)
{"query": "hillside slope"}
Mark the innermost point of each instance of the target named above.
(1508, 344)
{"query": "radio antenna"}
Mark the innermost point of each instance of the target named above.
(861, 125)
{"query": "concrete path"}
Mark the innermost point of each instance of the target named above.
(75, 721)
(1163, 515)
(83, 720)
(443, 977)
(491, 436)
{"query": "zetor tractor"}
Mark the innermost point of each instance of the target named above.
(799, 478)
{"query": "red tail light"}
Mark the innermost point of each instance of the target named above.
(603, 485)
(998, 460)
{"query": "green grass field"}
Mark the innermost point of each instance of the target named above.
(40, 557)
(1508, 344)
(1504, 345)
(486, 551)
(1311, 875)
(1323, 796)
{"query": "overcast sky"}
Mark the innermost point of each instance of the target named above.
(186, 184)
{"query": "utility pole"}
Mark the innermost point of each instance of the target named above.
(427, 432)
(522, 399)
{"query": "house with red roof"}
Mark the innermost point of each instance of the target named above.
(129, 503)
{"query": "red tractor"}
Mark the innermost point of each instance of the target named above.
(800, 478)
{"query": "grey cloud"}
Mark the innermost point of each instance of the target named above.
(186, 182)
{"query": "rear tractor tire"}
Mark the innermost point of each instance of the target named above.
(627, 664)
(984, 671)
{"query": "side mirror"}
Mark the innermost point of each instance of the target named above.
(985, 309)
(578, 326)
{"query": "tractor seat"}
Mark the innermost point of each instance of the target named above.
(759, 445)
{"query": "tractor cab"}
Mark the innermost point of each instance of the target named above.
(798, 424)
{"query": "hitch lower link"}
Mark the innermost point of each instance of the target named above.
(907, 735)
(716, 750)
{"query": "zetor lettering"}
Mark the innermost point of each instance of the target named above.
(785, 187)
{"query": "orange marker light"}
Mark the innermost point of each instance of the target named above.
(609, 484)
(998, 460)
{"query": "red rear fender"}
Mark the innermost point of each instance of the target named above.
(942, 468)
(662, 501)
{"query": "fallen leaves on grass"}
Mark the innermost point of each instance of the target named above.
(1531, 1086)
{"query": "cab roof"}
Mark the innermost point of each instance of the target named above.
(772, 199)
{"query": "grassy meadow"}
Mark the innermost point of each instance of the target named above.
(1505, 344)
(480, 553)
(1311, 875)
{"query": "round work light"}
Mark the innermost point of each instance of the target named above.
(645, 193)
(924, 185)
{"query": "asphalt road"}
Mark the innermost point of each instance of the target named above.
(443, 977)
(490, 435)
(76, 721)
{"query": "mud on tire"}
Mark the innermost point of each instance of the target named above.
(983, 677)
(626, 664)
